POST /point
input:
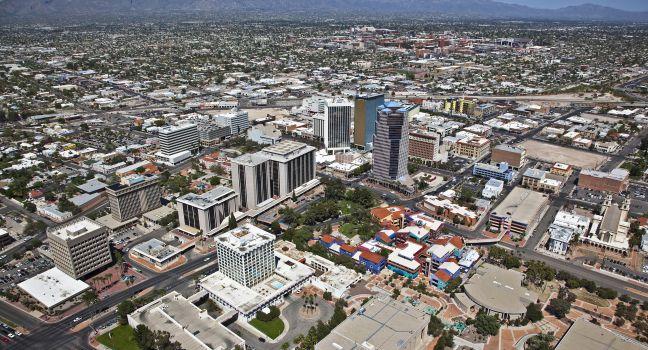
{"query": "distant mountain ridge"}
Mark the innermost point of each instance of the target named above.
(461, 8)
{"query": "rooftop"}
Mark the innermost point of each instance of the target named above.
(499, 289)
(244, 238)
(286, 147)
(250, 159)
(193, 328)
(75, 228)
(586, 335)
(522, 205)
(509, 148)
(53, 287)
(381, 323)
(210, 198)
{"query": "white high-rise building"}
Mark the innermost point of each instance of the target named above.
(338, 116)
(177, 143)
(205, 212)
(237, 121)
(245, 254)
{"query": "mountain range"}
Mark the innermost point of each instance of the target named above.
(482, 9)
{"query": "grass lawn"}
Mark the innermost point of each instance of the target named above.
(123, 338)
(590, 298)
(348, 229)
(272, 329)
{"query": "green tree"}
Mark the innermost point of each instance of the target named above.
(445, 341)
(534, 313)
(435, 326)
(486, 324)
(540, 342)
(275, 228)
(231, 224)
(559, 307)
(123, 309)
(90, 297)
(31, 207)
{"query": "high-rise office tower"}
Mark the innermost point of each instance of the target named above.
(79, 247)
(245, 254)
(338, 115)
(205, 212)
(177, 143)
(133, 195)
(251, 179)
(291, 163)
(275, 171)
(364, 119)
(391, 143)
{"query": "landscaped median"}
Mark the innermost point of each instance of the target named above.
(269, 323)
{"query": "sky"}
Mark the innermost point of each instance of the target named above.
(630, 5)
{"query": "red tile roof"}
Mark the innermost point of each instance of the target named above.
(328, 239)
(373, 257)
(442, 275)
(457, 242)
(348, 248)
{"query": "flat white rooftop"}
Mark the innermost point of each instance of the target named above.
(245, 238)
(53, 287)
(74, 229)
(209, 198)
(193, 328)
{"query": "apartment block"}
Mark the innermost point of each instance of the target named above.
(134, 195)
(79, 247)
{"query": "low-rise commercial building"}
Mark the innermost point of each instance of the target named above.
(542, 181)
(615, 181)
(501, 171)
(187, 324)
(53, 289)
(156, 253)
(381, 323)
(519, 212)
(584, 334)
(472, 147)
(493, 189)
(512, 155)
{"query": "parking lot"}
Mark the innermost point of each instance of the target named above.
(14, 273)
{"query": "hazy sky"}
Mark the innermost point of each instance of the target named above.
(632, 5)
